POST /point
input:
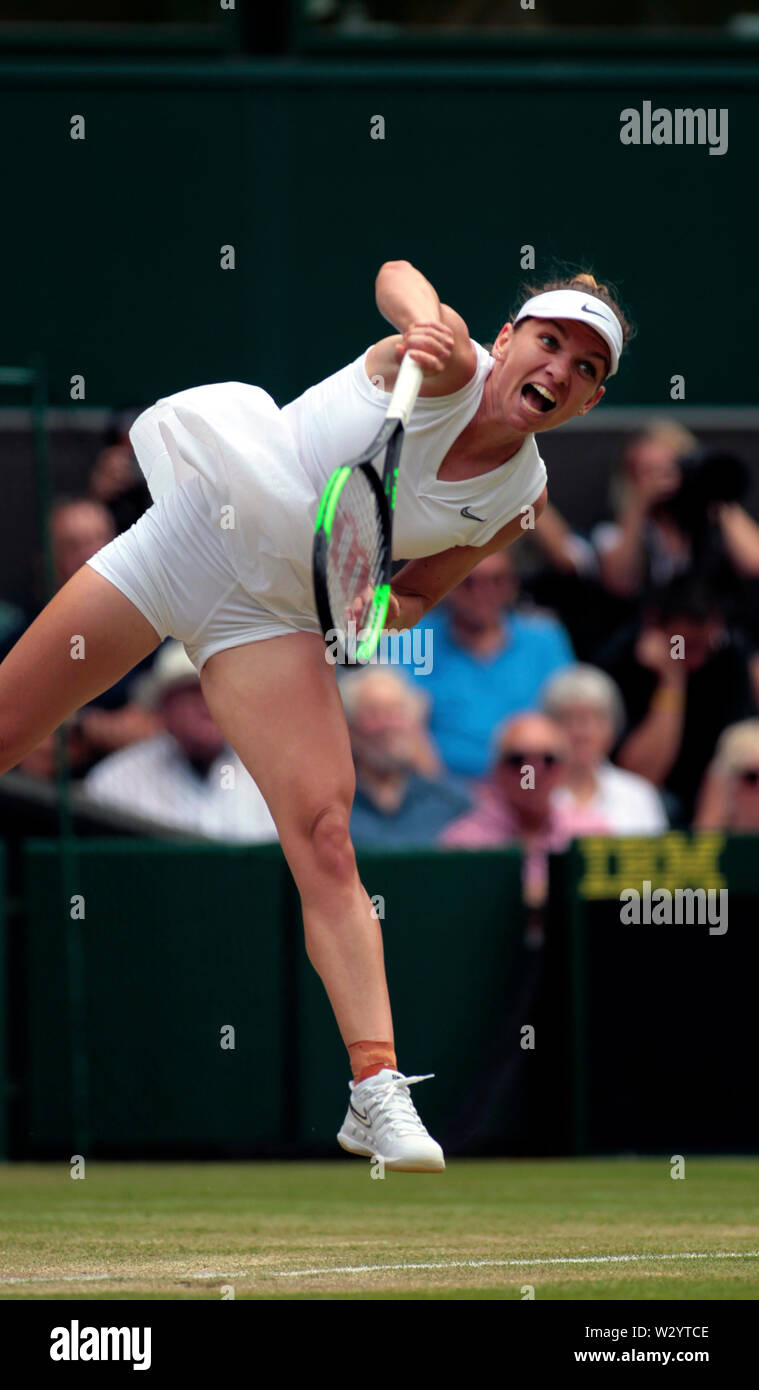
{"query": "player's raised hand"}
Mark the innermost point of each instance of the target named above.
(429, 344)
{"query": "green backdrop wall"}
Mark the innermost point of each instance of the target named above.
(123, 1007)
(644, 1036)
(110, 246)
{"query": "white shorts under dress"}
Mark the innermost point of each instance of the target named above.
(175, 568)
(223, 557)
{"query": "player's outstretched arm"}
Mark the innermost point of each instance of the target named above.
(404, 296)
(433, 333)
(423, 583)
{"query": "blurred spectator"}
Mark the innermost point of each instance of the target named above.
(79, 527)
(679, 512)
(186, 777)
(394, 803)
(116, 479)
(644, 546)
(564, 549)
(487, 663)
(560, 572)
(596, 584)
(587, 705)
(685, 677)
(729, 795)
(516, 803)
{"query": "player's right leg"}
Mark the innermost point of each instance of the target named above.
(87, 637)
(277, 702)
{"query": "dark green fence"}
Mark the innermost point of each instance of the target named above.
(132, 960)
(124, 1007)
(452, 934)
(112, 244)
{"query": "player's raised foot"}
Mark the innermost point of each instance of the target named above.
(382, 1123)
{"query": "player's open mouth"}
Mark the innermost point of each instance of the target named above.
(537, 398)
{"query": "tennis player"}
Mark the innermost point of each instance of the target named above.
(222, 561)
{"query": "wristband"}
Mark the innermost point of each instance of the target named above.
(668, 698)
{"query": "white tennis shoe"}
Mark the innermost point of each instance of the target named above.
(382, 1123)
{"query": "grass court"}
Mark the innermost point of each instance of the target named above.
(485, 1229)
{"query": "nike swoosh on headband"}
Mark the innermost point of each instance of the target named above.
(572, 304)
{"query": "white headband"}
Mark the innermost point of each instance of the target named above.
(586, 308)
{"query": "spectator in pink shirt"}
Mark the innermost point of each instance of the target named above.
(516, 806)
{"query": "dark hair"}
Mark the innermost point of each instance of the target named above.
(582, 280)
(686, 596)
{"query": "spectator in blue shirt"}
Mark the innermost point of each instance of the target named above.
(400, 798)
(488, 663)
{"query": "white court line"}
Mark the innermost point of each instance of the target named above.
(56, 1279)
(502, 1264)
(379, 1269)
(121, 1278)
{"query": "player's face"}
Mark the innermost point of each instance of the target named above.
(547, 371)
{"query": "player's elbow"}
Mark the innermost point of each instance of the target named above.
(393, 267)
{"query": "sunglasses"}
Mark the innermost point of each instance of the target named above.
(527, 759)
(750, 776)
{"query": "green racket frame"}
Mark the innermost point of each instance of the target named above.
(390, 438)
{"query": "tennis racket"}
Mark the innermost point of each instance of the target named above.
(352, 550)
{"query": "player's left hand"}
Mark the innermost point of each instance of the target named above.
(404, 611)
(393, 610)
(360, 607)
(397, 616)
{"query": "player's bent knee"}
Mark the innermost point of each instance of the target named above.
(331, 843)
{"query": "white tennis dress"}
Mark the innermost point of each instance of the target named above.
(223, 556)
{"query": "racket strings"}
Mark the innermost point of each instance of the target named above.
(356, 556)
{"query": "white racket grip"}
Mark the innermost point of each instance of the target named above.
(405, 391)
